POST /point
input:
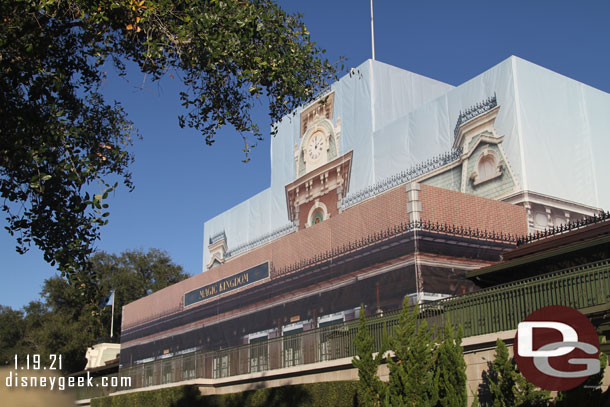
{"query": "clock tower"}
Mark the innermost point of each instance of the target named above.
(322, 174)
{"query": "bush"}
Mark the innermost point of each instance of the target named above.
(339, 394)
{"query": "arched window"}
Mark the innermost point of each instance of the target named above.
(317, 217)
(487, 168)
(318, 213)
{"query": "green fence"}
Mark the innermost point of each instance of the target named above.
(502, 307)
(490, 310)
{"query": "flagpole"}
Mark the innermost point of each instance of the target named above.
(112, 318)
(372, 32)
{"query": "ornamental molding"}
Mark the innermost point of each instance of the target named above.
(314, 207)
(332, 176)
(487, 155)
(521, 197)
(322, 108)
(218, 249)
(332, 143)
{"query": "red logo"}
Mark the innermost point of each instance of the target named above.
(557, 348)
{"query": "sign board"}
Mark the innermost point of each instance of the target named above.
(228, 284)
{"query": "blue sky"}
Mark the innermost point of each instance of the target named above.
(180, 182)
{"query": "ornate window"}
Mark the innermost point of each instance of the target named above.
(318, 216)
(488, 167)
(318, 213)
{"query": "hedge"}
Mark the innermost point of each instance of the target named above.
(336, 394)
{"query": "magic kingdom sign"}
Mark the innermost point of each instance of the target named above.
(225, 285)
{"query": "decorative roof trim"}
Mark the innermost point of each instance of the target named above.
(218, 237)
(401, 178)
(568, 227)
(396, 230)
(261, 240)
(475, 111)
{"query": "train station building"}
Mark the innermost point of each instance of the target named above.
(389, 186)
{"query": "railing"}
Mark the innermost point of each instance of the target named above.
(568, 227)
(401, 178)
(323, 344)
(261, 240)
(475, 111)
(394, 231)
(502, 307)
(218, 236)
(490, 310)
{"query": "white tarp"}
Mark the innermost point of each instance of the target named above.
(565, 127)
(556, 132)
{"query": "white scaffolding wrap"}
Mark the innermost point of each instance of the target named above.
(555, 132)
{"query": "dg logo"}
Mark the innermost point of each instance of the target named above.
(557, 348)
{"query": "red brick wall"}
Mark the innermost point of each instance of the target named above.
(455, 208)
(371, 216)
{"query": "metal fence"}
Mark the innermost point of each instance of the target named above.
(490, 310)
(502, 307)
(568, 227)
(323, 344)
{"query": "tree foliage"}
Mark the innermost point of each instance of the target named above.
(412, 368)
(70, 319)
(501, 377)
(450, 369)
(589, 393)
(12, 330)
(425, 374)
(504, 385)
(371, 390)
(422, 373)
(528, 395)
(63, 147)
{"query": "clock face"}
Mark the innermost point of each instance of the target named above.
(316, 146)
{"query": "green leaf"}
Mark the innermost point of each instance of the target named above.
(218, 48)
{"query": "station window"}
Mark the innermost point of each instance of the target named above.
(166, 371)
(292, 344)
(331, 338)
(221, 366)
(259, 354)
(188, 367)
(148, 375)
